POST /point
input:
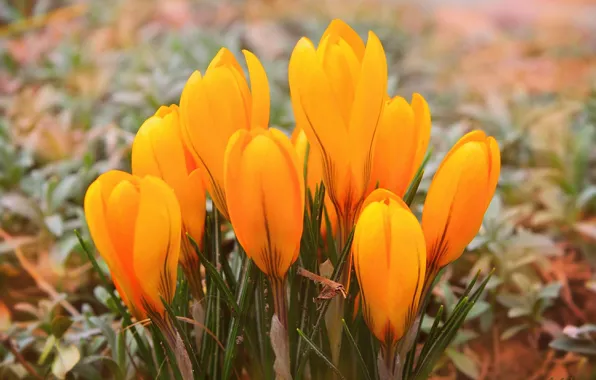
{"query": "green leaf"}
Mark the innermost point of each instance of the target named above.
(55, 224)
(434, 332)
(357, 350)
(516, 312)
(325, 304)
(321, 354)
(513, 330)
(246, 292)
(216, 277)
(479, 308)
(185, 338)
(59, 325)
(164, 355)
(106, 361)
(413, 188)
(579, 346)
(22, 206)
(66, 358)
(463, 363)
(442, 336)
(47, 348)
(464, 336)
(263, 317)
(511, 300)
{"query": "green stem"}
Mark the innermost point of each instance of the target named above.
(388, 352)
(278, 289)
(215, 364)
(192, 269)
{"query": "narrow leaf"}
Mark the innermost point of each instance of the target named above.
(216, 277)
(246, 292)
(320, 353)
(357, 350)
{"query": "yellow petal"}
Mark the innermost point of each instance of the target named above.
(383, 196)
(111, 209)
(210, 113)
(265, 198)
(225, 59)
(313, 94)
(157, 242)
(457, 199)
(121, 216)
(338, 29)
(369, 100)
(422, 126)
(476, 135)
(319, 115)
(192, 94)
(342, 68)
(389, 258)
(158, 150)
(96, 200)
(163, 111)
(259, 89)
(395, 148)
(371, 253)
(494, 167)
(193, 206)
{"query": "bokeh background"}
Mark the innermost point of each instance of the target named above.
(77, 79)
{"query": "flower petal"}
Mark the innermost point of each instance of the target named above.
(338, 29)
(259, 89)
(369, 100)
(157, 241)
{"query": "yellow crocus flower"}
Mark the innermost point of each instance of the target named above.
(458, 197)
(215, 105)
(390, 263)
(158, 150)
(338, 92)
(136, 224)
(265, 190)
(402, 139)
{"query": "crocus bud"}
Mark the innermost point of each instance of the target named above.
(390, 264)
(338, 91)
(312, 162)
(214, 106)
(458, 197)
(136, 225)
(400, 145)
(265, 190)
(158, 150)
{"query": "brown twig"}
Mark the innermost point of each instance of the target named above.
(7, 342)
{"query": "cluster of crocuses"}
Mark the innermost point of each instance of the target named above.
(364, 145)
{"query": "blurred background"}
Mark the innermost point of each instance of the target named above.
(77, 79)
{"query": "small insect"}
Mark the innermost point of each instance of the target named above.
(330, 288)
